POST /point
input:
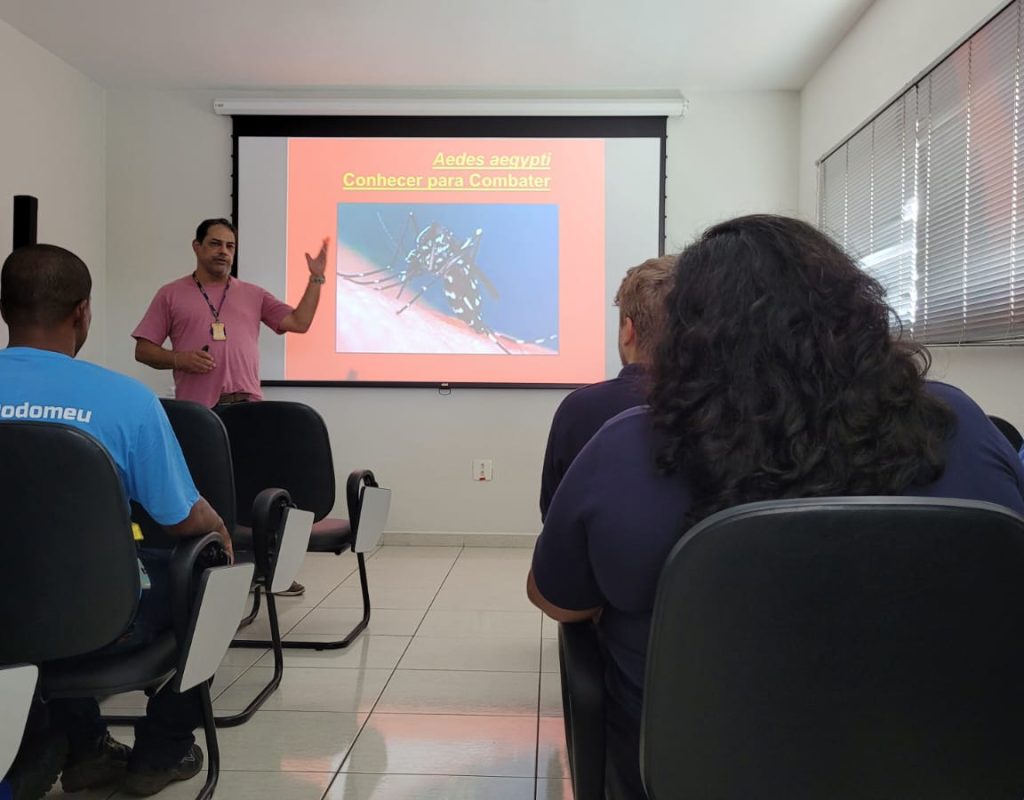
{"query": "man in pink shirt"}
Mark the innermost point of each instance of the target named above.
(213, 321)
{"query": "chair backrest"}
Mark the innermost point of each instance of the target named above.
(204, 443)
(839, 648)
(69, 579)
(280, 444)
(1009, 430)
(17, 686)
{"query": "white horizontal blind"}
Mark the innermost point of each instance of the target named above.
(926, 194)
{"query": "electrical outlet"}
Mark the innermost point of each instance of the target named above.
(483, 469)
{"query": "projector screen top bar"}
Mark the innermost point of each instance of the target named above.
(670, 104)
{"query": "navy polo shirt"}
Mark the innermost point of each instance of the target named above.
(580, 416)
(614, 520)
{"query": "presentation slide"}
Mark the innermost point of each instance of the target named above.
(460, 261)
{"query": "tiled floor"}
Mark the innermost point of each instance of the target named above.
(452, 692)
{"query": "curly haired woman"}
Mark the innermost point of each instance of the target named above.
(782, 373)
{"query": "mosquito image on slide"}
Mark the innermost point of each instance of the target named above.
(447, 278)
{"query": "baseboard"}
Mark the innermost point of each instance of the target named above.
(438, 539)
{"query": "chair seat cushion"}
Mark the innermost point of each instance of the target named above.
(103, 675)
(330, 535)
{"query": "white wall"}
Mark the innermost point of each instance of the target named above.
(52, 146)
(732, 154)
(893, 42)
(169, 166)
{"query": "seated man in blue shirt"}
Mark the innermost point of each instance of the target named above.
(44, 299)
(641, 301)
(778, 375)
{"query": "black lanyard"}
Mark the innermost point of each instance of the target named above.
(206, 297)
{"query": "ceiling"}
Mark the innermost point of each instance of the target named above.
(692, 45)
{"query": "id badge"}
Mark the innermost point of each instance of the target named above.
(220, 333)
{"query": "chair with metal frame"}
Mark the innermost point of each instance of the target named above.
(279, 529)
(64, 508)
(286, 444)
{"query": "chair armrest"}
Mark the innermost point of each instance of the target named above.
(17, 687)
(356, 480)
(267, 518)
(220, 600)
(368, 508)
(190, 557)
(581, 663)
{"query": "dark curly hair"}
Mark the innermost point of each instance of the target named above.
(783, 373)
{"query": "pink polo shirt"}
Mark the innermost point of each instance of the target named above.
(179, 311)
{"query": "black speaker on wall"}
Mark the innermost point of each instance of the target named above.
(26, 211)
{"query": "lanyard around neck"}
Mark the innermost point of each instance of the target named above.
(206, 297)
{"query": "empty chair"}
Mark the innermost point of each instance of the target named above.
(59, 616)
(286, 445)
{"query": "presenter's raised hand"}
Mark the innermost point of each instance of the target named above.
(196, 362)
(317, 266)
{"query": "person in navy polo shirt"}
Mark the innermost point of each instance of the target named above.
(782, 373)
(641, 301)
(44, 299)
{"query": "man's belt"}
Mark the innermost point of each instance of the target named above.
(233, 397)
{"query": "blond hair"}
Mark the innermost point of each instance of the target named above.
(642, 294)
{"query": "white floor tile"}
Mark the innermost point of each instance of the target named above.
(289, 741)
(242, 656)
(250, 786)
(552, 759)
(415, 553)
(550, 694)
(366, 652)
(549, 655)
(361, 786)
(381, 596)
(483, 597)
(287, 618)
(471, 624)
(501, 654)
(308, 689)
(333, 623)
(554, 790)
(434, 744)
(450, 692)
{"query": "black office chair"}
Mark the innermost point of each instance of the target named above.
(204, 443)
(839, 649)
(286, 444)
(1009, 431)
(69, 580)
(581, 667)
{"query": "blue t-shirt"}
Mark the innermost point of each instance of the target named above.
(119, 412)
(581, 415)
(615, 518)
